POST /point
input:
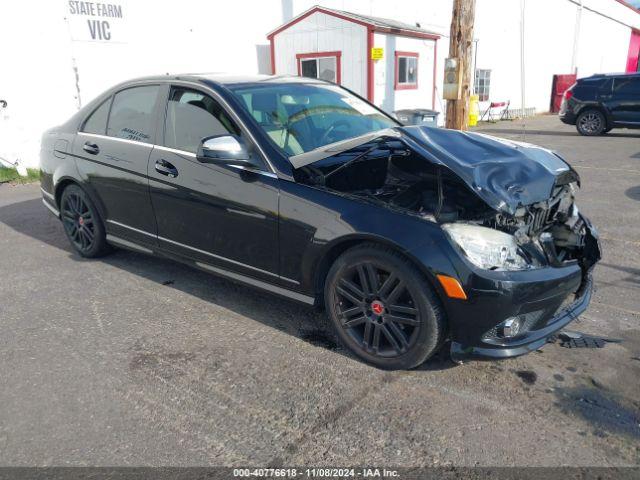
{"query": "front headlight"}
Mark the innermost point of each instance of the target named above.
(487, 248)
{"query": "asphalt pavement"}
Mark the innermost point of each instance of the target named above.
(134, 360)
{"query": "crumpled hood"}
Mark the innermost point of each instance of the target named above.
(503, 173)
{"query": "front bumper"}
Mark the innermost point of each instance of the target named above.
(533, 339)
(545, 299)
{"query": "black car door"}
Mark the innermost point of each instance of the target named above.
(223, 216)
(113, 148)
(624, 101)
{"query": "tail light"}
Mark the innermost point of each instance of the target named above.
(568, 93)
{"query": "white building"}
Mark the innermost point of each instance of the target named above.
(392, 64)
(59, 54)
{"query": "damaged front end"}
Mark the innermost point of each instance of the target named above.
(508, 209)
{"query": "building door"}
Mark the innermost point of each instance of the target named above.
(561, 84)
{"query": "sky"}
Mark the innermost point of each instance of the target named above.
(635, 3)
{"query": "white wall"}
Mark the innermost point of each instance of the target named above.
(38, 79)
(325, 33)
(385, 96)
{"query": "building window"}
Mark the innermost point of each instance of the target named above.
(482, 84)
(322, 65)
(406, 70)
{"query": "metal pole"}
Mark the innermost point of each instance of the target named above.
(576, 39)
(522, 64)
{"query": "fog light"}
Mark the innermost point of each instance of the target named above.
(511, 327)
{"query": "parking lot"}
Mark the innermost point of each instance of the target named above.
(133, 360)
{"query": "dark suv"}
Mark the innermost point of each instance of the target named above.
(599, 103)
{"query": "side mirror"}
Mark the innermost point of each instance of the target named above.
(226, 149)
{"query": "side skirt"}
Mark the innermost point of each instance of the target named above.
(257, 283)
(237, 277)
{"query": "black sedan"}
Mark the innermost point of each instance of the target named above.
(407, 236)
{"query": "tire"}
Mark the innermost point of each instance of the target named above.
(591, 123)
(607, 130)
(82, 223)
(382, 308)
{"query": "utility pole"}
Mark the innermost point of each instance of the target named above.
(461, 48)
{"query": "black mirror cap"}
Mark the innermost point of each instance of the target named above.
(224, 149)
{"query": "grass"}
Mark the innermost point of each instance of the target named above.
(11, 175)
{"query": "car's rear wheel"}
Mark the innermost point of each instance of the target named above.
(82, 223)
(382, 308)
(591, 123)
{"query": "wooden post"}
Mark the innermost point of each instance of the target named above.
(461, 47)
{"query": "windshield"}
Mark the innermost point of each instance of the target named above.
(300, 118)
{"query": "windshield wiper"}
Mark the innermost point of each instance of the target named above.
(312, 156)
(350, 162)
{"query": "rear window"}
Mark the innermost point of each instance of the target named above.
(97, 121)
(131, 114)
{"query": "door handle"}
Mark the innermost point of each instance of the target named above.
(91, 148)
(165, 168)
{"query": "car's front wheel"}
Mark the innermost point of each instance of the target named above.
(382, 308)
(82, 223)
(591, 123)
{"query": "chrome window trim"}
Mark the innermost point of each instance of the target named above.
(204, 252)
(124, 140)
(258, 283)
(176, 151)
(237, 167)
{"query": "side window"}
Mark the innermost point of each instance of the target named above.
(606, 86)
(97, 121)
(132, 114)
(627, 86)
(192, 116)
(322, 65)
(482, 84)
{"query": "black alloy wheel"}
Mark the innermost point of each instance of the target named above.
(591, 123)
(382, 308)
(82, 223)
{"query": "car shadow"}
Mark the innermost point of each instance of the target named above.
(633, 193)
(306, 323)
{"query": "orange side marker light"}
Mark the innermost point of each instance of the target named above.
(452, 287)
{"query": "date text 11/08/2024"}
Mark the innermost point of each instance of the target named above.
(316, 472)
